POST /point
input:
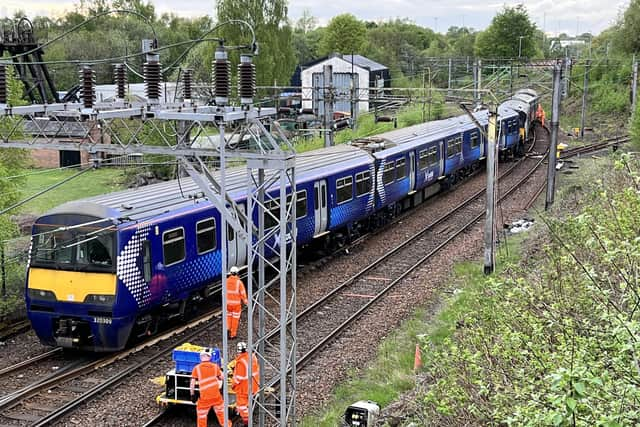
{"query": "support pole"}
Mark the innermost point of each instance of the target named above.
(566, 75)
(585, 91)
(449, 80)
(4, 271)
(477, 81)
(555, 124)
(328, 105)
(489, 225)
(224, 268)
(634, 86)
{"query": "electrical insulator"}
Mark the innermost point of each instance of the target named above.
(246, 80)
(3, 84)
(221, 77)
(152, 78)
(120, 80)
(187, 78)
(88, 86)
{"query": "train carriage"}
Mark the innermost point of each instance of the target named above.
(112, 267)
(134, 258)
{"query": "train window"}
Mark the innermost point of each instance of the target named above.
(344, 189)
(388, 173)
(206, 235)
(401, 168)
(454, 146)
(363, 183)
(475, 140)
(301, 204)
(146, 260)
(271, 213)
(428, 157)
(173, 246)
(231, 234)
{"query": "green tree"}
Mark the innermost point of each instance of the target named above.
(276, 60)
(627, 35)
(345, 34)
(510, 34)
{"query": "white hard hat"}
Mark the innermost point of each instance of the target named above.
(241, 346)
(234, 270)
(205, 354)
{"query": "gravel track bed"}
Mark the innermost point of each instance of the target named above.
(20, 347)
(13, 381)
(132, 401)
(73, 388)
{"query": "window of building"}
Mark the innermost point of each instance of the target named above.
(206, 235)
(388, 173)
(344, 189)
(173, 246)
(363, 183)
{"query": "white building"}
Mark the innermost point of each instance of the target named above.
(313, 77)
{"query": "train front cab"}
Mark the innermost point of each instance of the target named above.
(71, 284)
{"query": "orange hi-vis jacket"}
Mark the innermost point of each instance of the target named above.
(241, 374)
(209, 378)
(236, 294)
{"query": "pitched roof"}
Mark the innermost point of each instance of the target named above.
(364, 62)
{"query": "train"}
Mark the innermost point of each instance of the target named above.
(107, 269)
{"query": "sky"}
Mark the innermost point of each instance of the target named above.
(553, 16)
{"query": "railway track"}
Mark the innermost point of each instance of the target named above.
(48, 400)
(332, 314)
(590, 148)
(13, 329)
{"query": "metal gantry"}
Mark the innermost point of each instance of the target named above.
(200, 137)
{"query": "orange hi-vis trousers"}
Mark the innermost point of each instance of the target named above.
(233, 318)
(204, 406)
(242, 406)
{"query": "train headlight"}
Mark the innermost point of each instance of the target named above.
(100, 299)
(41, 295)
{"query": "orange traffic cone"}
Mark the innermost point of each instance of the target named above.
(417, 360)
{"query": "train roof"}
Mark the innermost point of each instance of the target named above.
(420, 133)
(156, 199)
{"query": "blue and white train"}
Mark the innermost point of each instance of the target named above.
(105, 269)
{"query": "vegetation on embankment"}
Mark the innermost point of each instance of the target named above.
(553, 340)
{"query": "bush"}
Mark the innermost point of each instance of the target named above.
(554, 342)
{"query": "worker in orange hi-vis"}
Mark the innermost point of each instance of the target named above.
(236, 296)
(209, 377)
(540, 114)
(240, 384)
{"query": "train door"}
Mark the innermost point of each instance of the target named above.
(236, 247)
(483, 142)
(320, 206)
(412, 171)
(442, 157)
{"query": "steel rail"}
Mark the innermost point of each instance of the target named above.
(375, 298)
(201, 324)
(337, 331)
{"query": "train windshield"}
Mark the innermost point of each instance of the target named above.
(79, 249)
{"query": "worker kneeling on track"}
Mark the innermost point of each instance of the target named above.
(210, 380)
(241, 380)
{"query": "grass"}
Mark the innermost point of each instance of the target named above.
(91, 183)
(391, 373)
